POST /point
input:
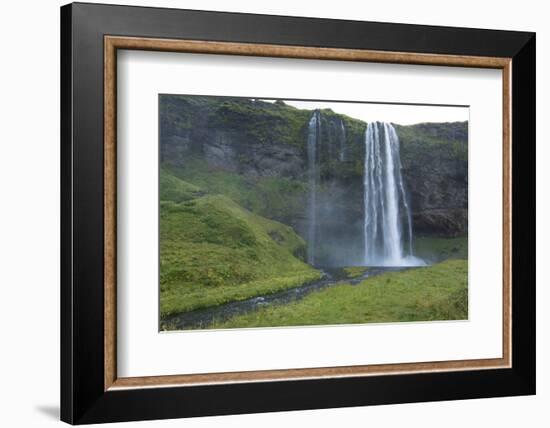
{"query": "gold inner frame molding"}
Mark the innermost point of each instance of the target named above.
(113, 43)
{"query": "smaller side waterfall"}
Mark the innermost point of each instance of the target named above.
(343, 147)
(313, 138)
(386, 207)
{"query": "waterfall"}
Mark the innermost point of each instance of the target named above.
(394, 137)
(386, 206)
(313, 139)
(342, 141)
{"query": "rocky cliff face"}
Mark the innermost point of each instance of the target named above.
(255, 138)
(435, 165)
(263, 144)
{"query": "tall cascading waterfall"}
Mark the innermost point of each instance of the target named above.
(313, 140)
(385, 200)
(394, 137)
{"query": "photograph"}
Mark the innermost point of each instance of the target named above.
(288, 212)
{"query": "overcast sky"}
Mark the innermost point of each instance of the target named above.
(396, 113)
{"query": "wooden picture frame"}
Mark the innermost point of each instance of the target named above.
(91, 390)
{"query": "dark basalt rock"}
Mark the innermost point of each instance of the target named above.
(446, 222)
(435, 166)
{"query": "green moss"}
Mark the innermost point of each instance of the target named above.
(173, 189)
(354, 127)
(213, 251)
(265, 122)
(274, 197)
(448, 138)
(438, 292)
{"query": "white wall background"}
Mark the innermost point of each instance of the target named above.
(29, 218)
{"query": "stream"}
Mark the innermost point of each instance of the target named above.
(202, 318)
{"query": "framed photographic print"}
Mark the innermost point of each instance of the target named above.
(264, 213)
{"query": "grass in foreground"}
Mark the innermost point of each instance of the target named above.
(212, 251)
(438, 292)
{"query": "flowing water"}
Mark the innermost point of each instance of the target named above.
(202, 318)
(386, 207)
(343, 147)
(313, 140)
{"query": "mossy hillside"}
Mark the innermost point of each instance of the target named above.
(173, 189)
(265, 122)
(213, 251)
(438, 292)
(281, 199)
(277, 198)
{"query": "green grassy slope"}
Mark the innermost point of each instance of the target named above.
(274, 197)
(438, 292)
(213, 251)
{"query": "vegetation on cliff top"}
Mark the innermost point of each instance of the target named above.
(276, 124)
(263, 121)
(212, 251)
(449, 137)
